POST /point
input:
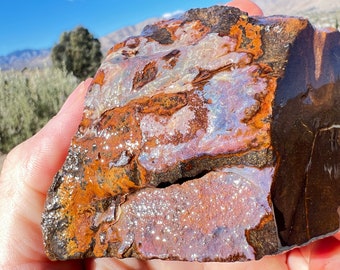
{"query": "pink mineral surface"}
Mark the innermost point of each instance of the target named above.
(210, 137)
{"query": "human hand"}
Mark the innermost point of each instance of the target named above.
(28, 172)
(26, 175)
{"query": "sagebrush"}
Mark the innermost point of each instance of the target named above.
(78, 52)
(28, 99)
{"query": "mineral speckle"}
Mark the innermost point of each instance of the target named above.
(209, 137)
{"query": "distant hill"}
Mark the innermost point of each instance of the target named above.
(25, 58)
(109, 40)
(18, 60)
(321, 13)
(297, 7)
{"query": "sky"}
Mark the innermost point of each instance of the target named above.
(38, 24)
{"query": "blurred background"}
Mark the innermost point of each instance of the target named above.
(41, 41)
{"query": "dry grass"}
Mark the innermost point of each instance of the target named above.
(2, 159)
(28, 99)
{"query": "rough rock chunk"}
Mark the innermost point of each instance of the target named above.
(210, 137)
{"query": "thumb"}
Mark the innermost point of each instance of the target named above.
(25, 177)
(246, 5)
(38, 159)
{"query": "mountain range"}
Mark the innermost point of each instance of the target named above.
(321, 13)
(300, 7)
(31, 58)
(25, 58)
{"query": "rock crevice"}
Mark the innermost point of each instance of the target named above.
(210, 137)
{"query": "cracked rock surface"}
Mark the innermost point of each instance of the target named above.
(210, 137)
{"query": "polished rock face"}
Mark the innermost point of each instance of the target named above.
(210, 137)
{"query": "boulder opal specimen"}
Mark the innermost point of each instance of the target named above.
(213, 136)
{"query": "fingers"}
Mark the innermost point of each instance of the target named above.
(266, 263)
(246, 5)
(322, 254)
(325, 254)
(54, 139)
(62, 265)
(337, 235)
(297, 259)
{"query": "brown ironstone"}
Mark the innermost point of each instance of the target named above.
(213, 136)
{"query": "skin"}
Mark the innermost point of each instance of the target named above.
(247, 6)
(28, 172)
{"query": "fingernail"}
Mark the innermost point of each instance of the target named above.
(84, 88)
(88, 82)
(76, 95)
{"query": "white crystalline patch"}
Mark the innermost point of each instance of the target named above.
(224, 228)
(154, 126)
(212, 52)
(230, 95)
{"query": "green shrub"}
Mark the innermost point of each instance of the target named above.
(78, 52)
(28, 99)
